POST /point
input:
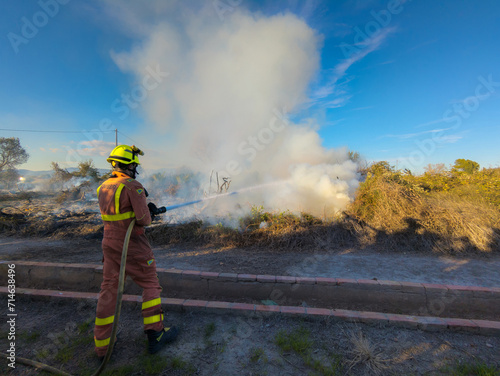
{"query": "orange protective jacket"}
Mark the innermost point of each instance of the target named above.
(121, 199)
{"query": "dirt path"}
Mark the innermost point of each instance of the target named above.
(478, 271)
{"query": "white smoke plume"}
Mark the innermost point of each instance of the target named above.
(224, 106)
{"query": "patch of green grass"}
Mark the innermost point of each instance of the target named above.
(65, 354)
(124, 370)
(468, 369)
(209, 330)
(85, 326)
(84, 339)
(180, 364)
(154, 364)
(297, 340)
(27, 336)
(334, 368)
(257, 354)
(43, 353)
(221, 346)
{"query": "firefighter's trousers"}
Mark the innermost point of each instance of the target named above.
(141, 267)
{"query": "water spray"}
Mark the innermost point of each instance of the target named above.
(164, 209)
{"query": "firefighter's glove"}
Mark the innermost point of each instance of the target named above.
(153, 210)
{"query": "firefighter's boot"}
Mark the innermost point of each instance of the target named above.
(159, 339)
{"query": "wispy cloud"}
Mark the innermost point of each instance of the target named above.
(338, 102)
(95, 147)
(413, 135)
(362, 108)
(333, 94)
(432, 122)
(365, 47)
(450, 138)
(423, 44)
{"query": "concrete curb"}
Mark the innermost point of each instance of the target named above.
(426, 323)
(392, 297)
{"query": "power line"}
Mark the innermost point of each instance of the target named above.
(123, 134)
(45, 131)
(52, 131)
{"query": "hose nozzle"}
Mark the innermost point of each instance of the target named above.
(154, 210)
(136, 150)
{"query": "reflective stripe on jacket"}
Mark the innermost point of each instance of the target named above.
(122, 198)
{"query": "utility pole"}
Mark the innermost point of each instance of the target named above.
(116, 136)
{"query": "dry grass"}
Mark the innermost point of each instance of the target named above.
(364, 353)
(391, 212)
(398, 212)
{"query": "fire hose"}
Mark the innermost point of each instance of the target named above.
(118, 306)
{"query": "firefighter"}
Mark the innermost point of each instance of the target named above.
(122, 198)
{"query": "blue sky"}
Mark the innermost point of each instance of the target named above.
(410, 82)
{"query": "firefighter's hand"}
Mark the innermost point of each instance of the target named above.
(153, 210)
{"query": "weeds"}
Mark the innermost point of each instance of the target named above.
(365, 354)
(124, 370)
(179, 364)
(220, 346)
(209, 330)
(257, 354)
(152, 365)
(299, 341)
(28, 336)
(85, 326)
(476, 369)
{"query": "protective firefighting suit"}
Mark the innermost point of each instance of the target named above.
(121, 199)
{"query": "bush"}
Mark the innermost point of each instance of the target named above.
(444, 211)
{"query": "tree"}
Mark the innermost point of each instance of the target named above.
(9, 177)
(465, 165)
(354, 156)
(61, 175)
(380, 168)
(86, 169)
(438, 168)
(11, 153)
